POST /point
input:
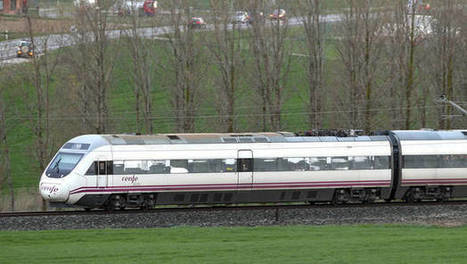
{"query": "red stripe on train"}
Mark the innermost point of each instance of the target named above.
(225, 187)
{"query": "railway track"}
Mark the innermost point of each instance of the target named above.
(227, 208)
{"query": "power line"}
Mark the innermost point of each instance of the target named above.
(238, 115)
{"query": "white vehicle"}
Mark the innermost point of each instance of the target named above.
(84, 3)
(241, 17)
(120, 171)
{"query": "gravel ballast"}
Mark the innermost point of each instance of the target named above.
(442, 214)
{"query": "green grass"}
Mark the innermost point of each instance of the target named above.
(278, 244)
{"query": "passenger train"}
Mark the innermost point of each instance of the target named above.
(141, 171)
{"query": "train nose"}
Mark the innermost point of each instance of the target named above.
(54, 192)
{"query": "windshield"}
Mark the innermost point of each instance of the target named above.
(63, 164)
(24, 43)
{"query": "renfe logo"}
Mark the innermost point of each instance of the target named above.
(131, 179)
(49, 189)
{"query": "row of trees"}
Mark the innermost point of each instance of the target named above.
(375, 69)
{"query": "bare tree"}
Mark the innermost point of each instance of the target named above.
(143, 65)
(228, 59)
(408, 48)
(188, 67)
(271, 61)
(92, 61)
(359, 51)
(403, 38)
(445, 64)
(5, 165)
(310, 12)
(43, 68)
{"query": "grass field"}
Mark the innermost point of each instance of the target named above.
(278, 244)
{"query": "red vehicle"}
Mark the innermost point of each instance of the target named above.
(150, 7)
(197, 23)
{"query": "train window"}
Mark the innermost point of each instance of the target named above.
(198, 166)
(295, 164)
(216, 165)
(431, 161)
(382, 162)
(435, 161)
(411, 162)
(453, 161)
(135, 167)
(102, 168)
(118, 167)
(340, 163)
(244, 165)
(265, 164)
(318, 163)
(229, 165)
(159, 167)
(421, 161)
(63, 164)
(92, 169)
(179, 166)
(203, 166)
(362, 163)
(282, 164)
(109, 167)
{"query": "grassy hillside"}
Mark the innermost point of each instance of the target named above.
(278, 244)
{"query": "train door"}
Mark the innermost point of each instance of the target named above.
(104, 168)
(244, 169)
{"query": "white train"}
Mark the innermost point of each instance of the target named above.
(120, 171)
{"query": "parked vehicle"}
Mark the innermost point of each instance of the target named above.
(150, 7)
(84, 3)
(278, 14)
(197, 23)
(241, 17)
(25, 49)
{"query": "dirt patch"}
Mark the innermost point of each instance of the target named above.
(38, 25)
(449, 223)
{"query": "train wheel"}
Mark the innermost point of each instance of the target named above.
(148, 204)
(414, 195)
(341, 196)
(116, 202)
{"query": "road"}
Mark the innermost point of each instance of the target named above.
(56, 41)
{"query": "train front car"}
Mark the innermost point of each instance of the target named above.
(66, 170)
(433, 165)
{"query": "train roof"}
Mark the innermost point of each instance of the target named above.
(430, 134)
(85, 143)
(217, 138)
